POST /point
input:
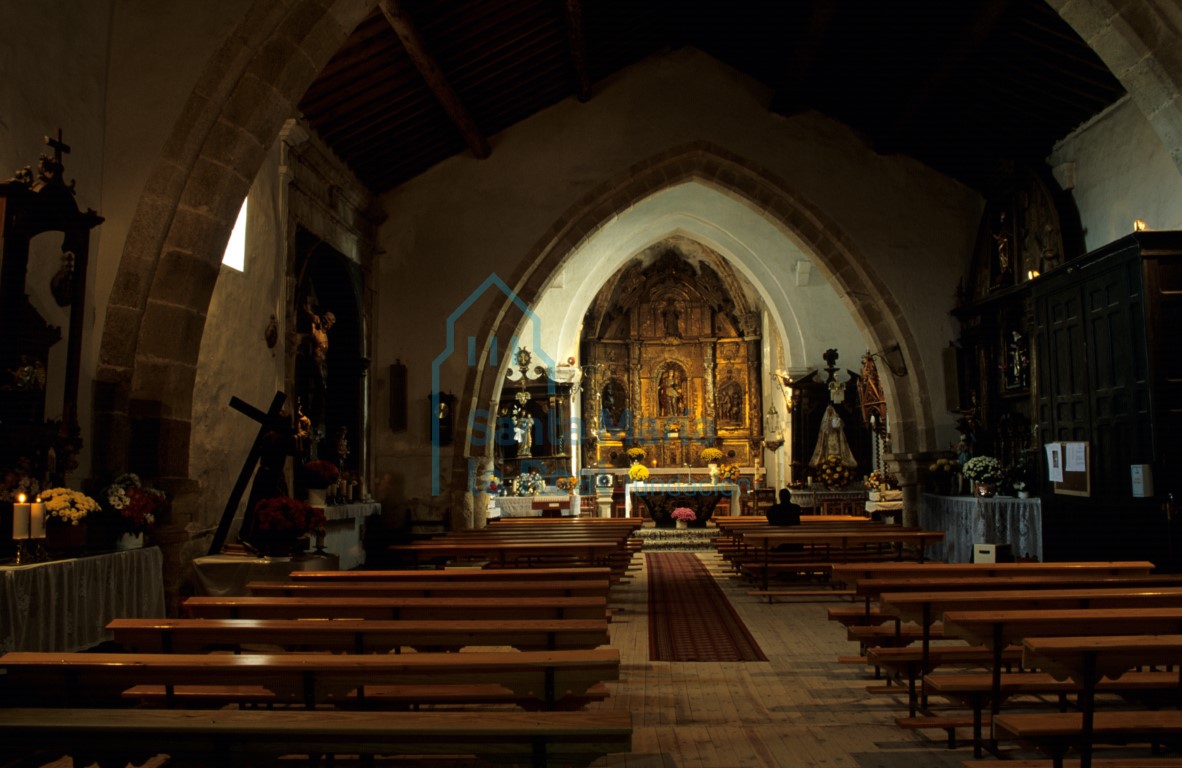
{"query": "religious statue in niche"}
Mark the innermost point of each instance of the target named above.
(319, 324)
(614, 402)
(1016, 365)
(671, 319)
(1003, 245)
(730, 403)
(671, 391)
(832, 440)
(523, 431)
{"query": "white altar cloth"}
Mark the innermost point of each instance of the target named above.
(64, 605)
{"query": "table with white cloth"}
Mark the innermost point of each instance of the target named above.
(64, 605)
(344, 532)
(969, 520)
(537, 506)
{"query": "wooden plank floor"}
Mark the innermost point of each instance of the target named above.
(799, 708)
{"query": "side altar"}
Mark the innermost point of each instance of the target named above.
(660, 499)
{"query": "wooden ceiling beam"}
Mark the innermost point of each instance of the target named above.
(416, 48)
(576, 35)
(791, 95)
(945, 67)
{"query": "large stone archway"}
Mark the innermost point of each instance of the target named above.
(156, 313)
(877, 314)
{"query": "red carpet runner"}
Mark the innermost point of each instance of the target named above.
(689, 618)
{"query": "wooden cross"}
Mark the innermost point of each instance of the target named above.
(266, 422)
(59, 147)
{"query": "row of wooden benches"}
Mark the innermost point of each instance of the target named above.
(326, 700)
(1074, 629)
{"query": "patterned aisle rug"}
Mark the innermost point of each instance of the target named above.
(689, 617)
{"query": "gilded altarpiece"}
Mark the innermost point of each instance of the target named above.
(672, 367)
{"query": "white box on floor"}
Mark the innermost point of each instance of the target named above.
(992, 553)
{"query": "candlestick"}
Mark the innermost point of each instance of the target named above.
(37, 520)
(20, 519)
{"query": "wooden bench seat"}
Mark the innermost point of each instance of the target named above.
(431, 588)
(87, 679)
(354, 636)
(977, 688)
(396, 608)
(384, 696)
(1119, 762)
(891, 635)
(859, 616)
(241, 737)
(908, 664)
(455, 574)
(1056, 732)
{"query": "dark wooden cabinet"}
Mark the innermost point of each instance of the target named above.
(1107, 363)
(1108, 373)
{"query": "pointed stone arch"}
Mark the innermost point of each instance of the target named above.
(877, 313)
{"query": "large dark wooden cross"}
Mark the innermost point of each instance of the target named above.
(266, 422)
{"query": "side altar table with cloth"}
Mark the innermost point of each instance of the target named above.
(660, 499)
(344, 534)
(64, 605)
(969, 520)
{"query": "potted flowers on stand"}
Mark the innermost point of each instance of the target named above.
(712, 456)
(638, 473)
(833, 473)
(636, 455)
(66, 512)
(282, 526)
(683, 516)
(133, 509)
(319, 476)
(942, 476)
(985, 473)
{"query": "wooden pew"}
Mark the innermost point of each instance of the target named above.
(923, 608)
(240, 737)
(1001, 629)
(848, 573)
(842, 541)
(511, 553)
(354, 636)
(456, 574)
(493, 589)
(395, 608)
(1088, 660)
(535, 679)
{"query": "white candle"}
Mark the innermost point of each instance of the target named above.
(20, 519)
(37, 520)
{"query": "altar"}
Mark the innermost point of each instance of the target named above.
(660, 499)
(344, 531)
(562, 505)
(969, 520)
(64, 605)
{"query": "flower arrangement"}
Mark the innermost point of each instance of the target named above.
(136, 507)
(636, 454)
(567, 484)
(494, 486)
(880, 479)
(683, 514)
(729, 473)
(950, 466)
(283, 514)
(19, 481)
(983, 469)
(711, 455)
(833, 473)
(68, 506)
(638, 473)
(320, 473)
(530, 483)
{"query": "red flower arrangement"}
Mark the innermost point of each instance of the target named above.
(144, 507)
(320, 473)
(283, 514)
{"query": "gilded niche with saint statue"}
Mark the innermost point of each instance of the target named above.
(671, 361)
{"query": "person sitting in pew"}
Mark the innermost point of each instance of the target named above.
(784, 512)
